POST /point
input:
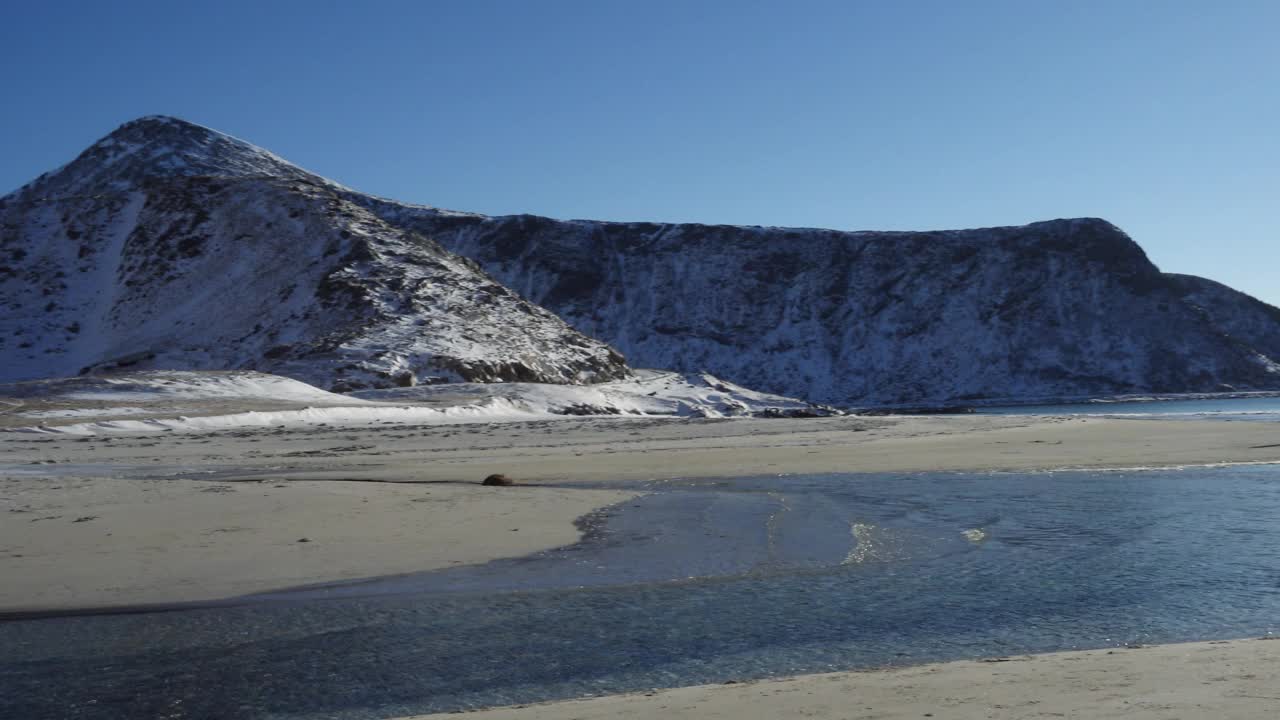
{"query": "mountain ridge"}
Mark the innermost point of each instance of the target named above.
(1064, 307)
(1027, 306)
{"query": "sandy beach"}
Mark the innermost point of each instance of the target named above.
(119, 520)
(1234, 680)
(91, 542)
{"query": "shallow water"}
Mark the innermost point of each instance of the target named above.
(705, 581)
(1240, 408)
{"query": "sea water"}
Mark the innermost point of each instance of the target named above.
(1237, 408)
(704, 582)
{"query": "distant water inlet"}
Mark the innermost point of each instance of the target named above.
(705, 581)
(1250, 408)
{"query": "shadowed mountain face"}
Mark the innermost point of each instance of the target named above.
(169, 245)
(1249, 323)
(1052, 309)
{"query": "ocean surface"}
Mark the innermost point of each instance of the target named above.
(704, 582)
(1238, 408)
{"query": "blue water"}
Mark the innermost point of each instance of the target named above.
(704, 582)
(1240, 408)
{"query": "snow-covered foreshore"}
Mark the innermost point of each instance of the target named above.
(197, 402)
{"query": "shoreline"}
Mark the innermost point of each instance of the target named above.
(1230, 679)
(345, 504)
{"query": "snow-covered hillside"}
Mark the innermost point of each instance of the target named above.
(168, 245)
(164, 386)
(1052, 309)
(649, 393)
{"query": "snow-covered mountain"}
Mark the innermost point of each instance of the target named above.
(1054, 309)
(169, 245)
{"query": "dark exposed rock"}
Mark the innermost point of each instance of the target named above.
(920, 410)
(814, 411)
(587, 409)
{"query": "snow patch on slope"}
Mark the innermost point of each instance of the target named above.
(492, 411)
(652, 392)
(162, 385)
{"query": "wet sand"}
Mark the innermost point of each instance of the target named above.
(1225, 680)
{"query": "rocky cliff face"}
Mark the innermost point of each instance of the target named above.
(1053, 309)
(168, 245)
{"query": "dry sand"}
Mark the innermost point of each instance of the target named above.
(1237, 680)
(90, 542)
(87, 522)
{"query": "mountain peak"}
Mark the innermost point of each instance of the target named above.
(159, 146)
(164, 128)
(160, 121)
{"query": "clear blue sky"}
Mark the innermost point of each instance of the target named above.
(1161, 116)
